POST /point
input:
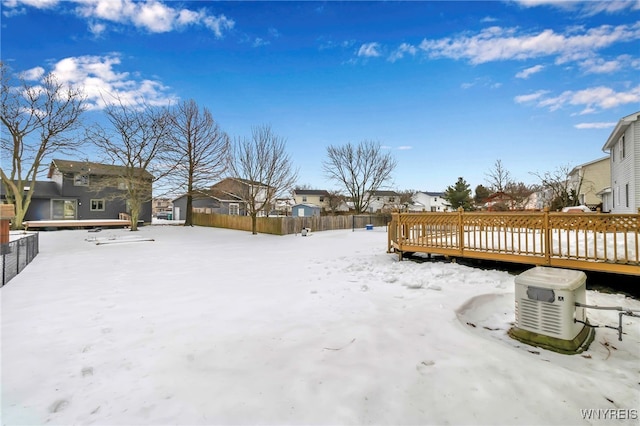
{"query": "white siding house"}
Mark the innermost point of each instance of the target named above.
(430, 202)
(623, 146)
(383, 201)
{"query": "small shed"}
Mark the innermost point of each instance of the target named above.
(305, 210)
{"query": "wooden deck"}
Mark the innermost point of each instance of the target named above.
(93, 223)
(589, 241)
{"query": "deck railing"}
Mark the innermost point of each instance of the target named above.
(588, 241)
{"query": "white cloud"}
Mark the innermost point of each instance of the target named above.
(32, 74)
(585, 8)
(155, 17)
(595, 125)
(260, 42)
(404, 148)
(529, 71)
(102, 84)
(369, 50)
(97, 28)
(590, 100)
(600, 66)
(151, 15)
(218, 24)
(530, 97)
(501, 44)
(38, 4)
(403, 49)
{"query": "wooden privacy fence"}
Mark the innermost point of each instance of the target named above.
(588, 241)
(280, 225)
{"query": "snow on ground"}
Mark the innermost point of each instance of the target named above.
(212, 326)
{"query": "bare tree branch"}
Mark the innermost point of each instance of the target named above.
(362, 169)
(498, 177)
(38, 119)
(262, 161)
(199, 152)
(136, 139)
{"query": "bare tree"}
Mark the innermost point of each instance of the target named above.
(519, 192)
(406, 198)
(498, 177)
(38, 119)
(262, 161)
(563, 191)
(334, 200)
(200, 150)
(136, 139)
(362, 169)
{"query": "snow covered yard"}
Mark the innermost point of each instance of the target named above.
(212, 326)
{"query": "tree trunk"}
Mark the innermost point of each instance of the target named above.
(135, 214)
(254, 223)
(188, 220)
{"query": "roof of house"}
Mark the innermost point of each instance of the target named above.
(385, 193)
(619, 130)
(578, 167)
(313, 206)
(433, 194)
(311, 192)
(97, 169)
(43, 189)
(214, 193)
(244, 181)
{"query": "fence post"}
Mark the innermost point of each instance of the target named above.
(461, 230)
(547, 237)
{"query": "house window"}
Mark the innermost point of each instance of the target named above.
(97, 205)
(80, 179)
(304, 198)
(626, 193)
(63, 209)
(234, 209)
(321, 199)
(391, 199)
(622, 147)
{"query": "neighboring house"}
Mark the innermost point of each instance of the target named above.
(81, 190)
(229, 196)
(318, 197)
(538, 200)
(429, 202)
(383, 201)
(209, 201)
(282, 207)
(305, 210)
(161, 205)
(500, 201)
(589, 179)
(623, 146)
(606, 197)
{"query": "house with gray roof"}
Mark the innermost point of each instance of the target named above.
(83, 190)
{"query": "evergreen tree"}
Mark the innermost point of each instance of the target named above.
(459, 195)
(481, 195)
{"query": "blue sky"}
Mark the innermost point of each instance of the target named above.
(447, 87)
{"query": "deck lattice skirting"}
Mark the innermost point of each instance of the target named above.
(585, 241)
